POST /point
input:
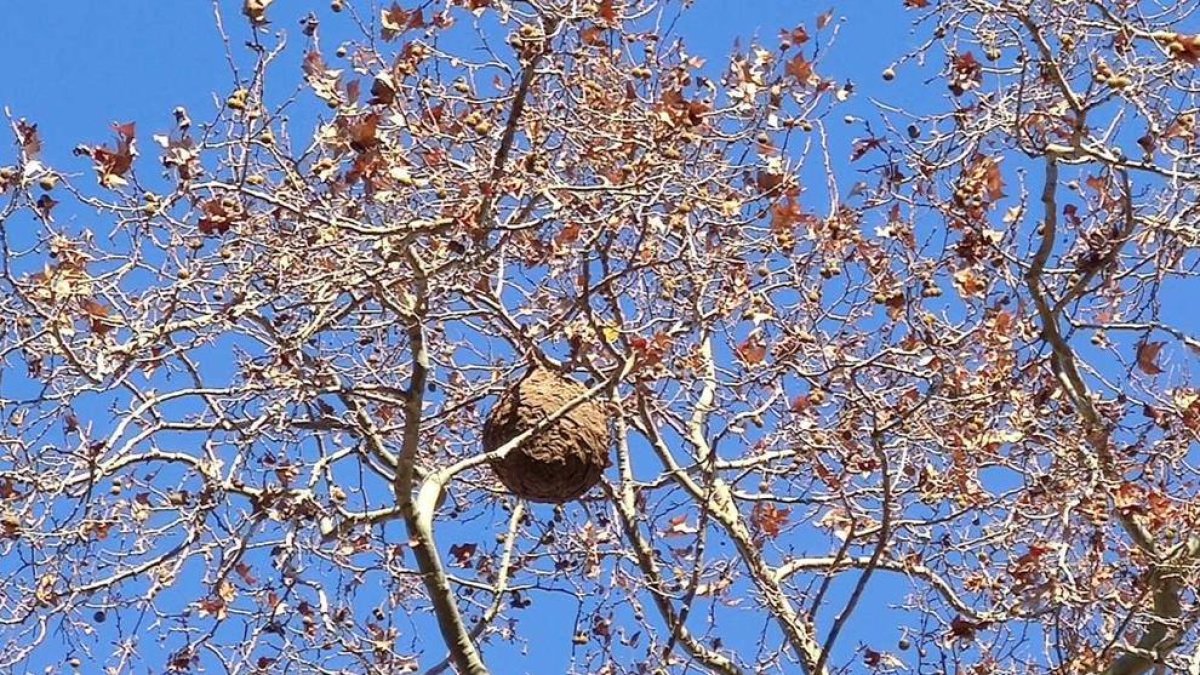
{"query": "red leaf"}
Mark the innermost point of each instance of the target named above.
(862, 146)
(1147, 357)
(607, 12)
(462, 553)
(770, 519)
(651, 351)
(752, 351)
(219, 215)
(568, 234)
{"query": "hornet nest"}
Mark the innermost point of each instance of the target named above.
(564, 460)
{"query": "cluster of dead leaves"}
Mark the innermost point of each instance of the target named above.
(180, 154)
(28, 139)
(753, 350)
(396, 20)
(678, 111)
(112, 164)
(770, 519)
(980, 184)
(30, 145)
(325, 82)
(966, 73)
(786, 215)
(1181, 47)
(650, 352)
(219, 214)
(1151, 506)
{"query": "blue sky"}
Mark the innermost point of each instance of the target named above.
(77, 67)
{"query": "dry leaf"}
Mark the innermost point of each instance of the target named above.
(1147, 357)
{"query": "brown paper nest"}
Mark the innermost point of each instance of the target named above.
(562, 462)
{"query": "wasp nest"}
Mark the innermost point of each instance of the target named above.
(563, 461)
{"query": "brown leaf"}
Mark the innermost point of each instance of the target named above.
(862, 146)
(324, 82)
(397, 20)
(768, 180)
(993, 182)
(970, 283)
(795, 36)
(383, 89)
(112, 164)
(593, 36)
(97, 313)
(219, 215)
(243, 570)
(1184, 126)
(650, 352)
(1147, 357)
(462, 553)
(476, 6)
(568, 234)
(45, 204)
(966, 73)
(801, 403)
(752, 351)
(361, 131)
(28, 138)
(1130, 498)
(770, 519)
(180, 154)
(1181, 47)
(800, 68)
(965, 629)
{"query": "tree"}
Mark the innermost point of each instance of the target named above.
(931, 375)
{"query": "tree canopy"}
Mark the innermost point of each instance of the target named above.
(903, 390)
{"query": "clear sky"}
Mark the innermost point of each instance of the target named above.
(77, 67)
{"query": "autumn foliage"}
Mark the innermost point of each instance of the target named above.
(865, 386)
